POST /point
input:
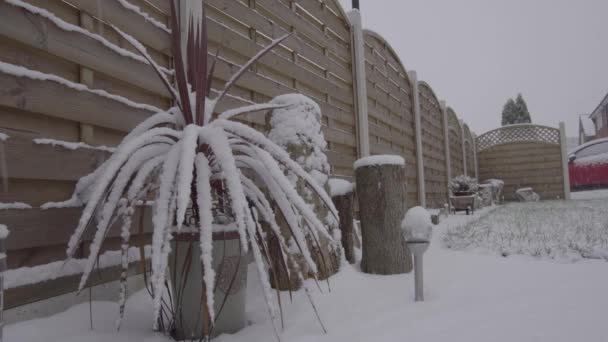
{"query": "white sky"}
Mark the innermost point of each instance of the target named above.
(478, 53)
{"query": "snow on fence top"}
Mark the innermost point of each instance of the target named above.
(518, 133)
(340, 187)
(3, 231)
(380, 159)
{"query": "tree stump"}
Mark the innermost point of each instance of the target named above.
(342, 196)
(381, 191)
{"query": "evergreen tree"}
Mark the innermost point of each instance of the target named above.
(508, 112)
(522, 110)
(515, 112)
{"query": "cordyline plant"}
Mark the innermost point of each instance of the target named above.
(186, 156)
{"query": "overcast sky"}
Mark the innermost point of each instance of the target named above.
(478, 53)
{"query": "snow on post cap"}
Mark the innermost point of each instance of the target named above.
(417, 225)
(380, 159)
(340, 187)
(3, 136)
(3, 231)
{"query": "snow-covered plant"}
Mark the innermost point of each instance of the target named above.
(190, 158)
(464, 184)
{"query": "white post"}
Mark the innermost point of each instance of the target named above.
(464, 150)
(418, 132)
(446, 144)
(563, 143)
(360, 82)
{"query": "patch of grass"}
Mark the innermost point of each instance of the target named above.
(555, 229)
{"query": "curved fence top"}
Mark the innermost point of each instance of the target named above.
(435, 99)
(467, 133)
(375, 35)
(518, 133)
(453, 122)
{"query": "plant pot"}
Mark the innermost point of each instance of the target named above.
(188, 288)
(463, 193)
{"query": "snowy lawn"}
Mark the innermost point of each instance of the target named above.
(469, 297)
(557, 229)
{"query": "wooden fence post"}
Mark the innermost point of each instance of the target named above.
(3, 236)
(418, 132)
(86, 131)
(381, 191)
(446, 144)
(566, 174)
(359, 82)
(343, 200)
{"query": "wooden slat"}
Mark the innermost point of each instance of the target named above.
(35, 227)
(128, 21)
(35, 292)
(58, 100)
(265, 25)
(27, 160)
(38, 32)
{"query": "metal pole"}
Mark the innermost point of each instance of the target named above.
(419, 288)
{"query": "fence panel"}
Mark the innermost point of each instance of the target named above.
(523, 156)
(433, 147)
(455, 139)
(390, 107)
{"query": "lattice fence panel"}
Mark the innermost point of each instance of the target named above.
(518, 133)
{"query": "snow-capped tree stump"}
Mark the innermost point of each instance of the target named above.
(342, 195)
(297, 128)
(381, 191)
(3, 235)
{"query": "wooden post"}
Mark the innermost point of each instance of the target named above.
(359, 82)
(418, 132)
(446, 144)
(563, 142)
(3, 236)
(343, 201)
(381, 191)
(86, 77)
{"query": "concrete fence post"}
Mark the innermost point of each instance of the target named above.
(563, 143)
(359, 82)
(446, 145)
(418, 132)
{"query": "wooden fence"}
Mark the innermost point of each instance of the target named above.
(65, 74)
(525, 155)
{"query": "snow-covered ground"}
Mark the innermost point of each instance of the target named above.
(591, 194)
(470, 296)
(563, 230)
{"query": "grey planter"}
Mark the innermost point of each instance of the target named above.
(230, 266)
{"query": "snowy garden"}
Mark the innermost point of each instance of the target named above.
(474, 295)
(269, 218)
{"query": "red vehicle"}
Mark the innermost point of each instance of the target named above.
(588, 165)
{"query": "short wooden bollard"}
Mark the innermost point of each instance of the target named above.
(381, 191)
(342, 196)
(3, 236)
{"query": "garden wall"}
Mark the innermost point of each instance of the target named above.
(66, 75)
(524, 155)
